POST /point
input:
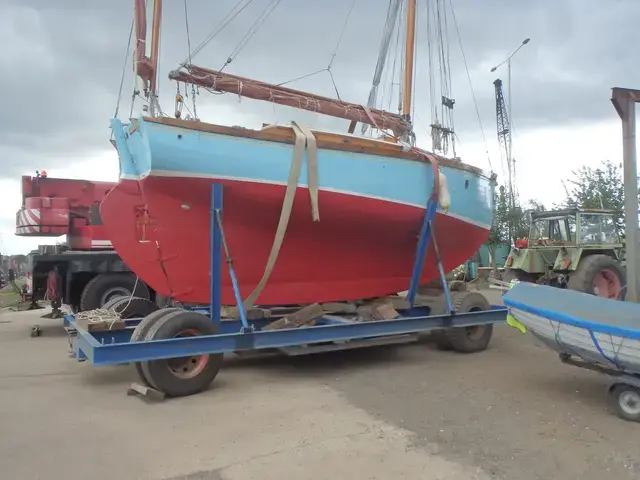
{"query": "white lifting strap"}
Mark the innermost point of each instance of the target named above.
(304, 138)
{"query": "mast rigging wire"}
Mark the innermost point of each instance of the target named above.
(124, 70)
(333, 55)
(217, 29)
(473, 95)
(268, 10)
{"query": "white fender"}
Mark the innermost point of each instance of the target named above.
(444, 197)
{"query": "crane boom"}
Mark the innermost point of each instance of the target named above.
(504, 138)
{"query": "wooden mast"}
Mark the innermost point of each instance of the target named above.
(409, 60)
(155, 47)
(147, 67)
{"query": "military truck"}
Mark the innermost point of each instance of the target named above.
(578, 249)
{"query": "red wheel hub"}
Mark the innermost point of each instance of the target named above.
(188, 367)
(607, 284)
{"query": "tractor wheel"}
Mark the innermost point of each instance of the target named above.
(102, 288)
(599, 275)
(463, 339)
(140, 333)
(179, 377)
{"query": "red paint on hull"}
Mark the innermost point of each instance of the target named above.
(361, 247)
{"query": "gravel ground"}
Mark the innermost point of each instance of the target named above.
(512, 412)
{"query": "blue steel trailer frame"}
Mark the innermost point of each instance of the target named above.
(114, 347)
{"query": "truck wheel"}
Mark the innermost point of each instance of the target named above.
(109, 305)
(100, 289)
(599, 275)
(179, 377)
(134, 307)
(140, 333)
(463, 339)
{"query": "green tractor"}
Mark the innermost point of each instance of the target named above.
(578, 249)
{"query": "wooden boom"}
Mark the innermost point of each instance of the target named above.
(226, 82)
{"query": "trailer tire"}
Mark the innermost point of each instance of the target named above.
(101, 288)
(599, 267)
(439, 336)
(625, 400)
(180, 377)
(140, 333)
(134, 307)
(463, 339)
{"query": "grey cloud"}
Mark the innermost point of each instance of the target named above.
(60, 82)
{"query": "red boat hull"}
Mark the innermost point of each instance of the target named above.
(361, 248)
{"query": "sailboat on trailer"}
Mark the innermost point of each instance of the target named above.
(309, 215)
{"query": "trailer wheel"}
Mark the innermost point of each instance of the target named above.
(625, 400)
(134, 307)
(140, 333)
(179, 377)
(439, 336)
(463, 339)
(102, 288)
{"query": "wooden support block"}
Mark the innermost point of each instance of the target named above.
(377, 311)
(339, 307)
(398, 302)
(145, 392)
(231, 311)
(305, 316)
(101, 326)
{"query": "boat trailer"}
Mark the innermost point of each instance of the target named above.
(178, 351)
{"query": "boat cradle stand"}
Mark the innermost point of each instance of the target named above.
(179, 352)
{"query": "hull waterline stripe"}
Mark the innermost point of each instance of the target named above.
(169, 173)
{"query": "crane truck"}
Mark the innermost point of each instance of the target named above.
(88, 271)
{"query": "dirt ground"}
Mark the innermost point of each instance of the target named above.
(8, 297)
(512, 412)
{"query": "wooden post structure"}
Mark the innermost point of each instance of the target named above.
(624, 100)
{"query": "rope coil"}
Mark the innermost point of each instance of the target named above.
(99, 315)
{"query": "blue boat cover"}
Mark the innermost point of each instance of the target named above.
(581, 310)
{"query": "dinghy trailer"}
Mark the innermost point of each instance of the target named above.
(179, 351)
(586, 331)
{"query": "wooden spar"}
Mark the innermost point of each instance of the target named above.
(147, 67)
(142, 64)
(225, 82)
(409, 59)
(155, 45)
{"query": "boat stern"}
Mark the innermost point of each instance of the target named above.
(132, 148)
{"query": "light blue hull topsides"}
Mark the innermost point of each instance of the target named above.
(157, 149)
(593, 328)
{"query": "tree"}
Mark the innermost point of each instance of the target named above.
(601, 187)
(499, 232)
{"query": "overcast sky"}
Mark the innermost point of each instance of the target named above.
(62, 63)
